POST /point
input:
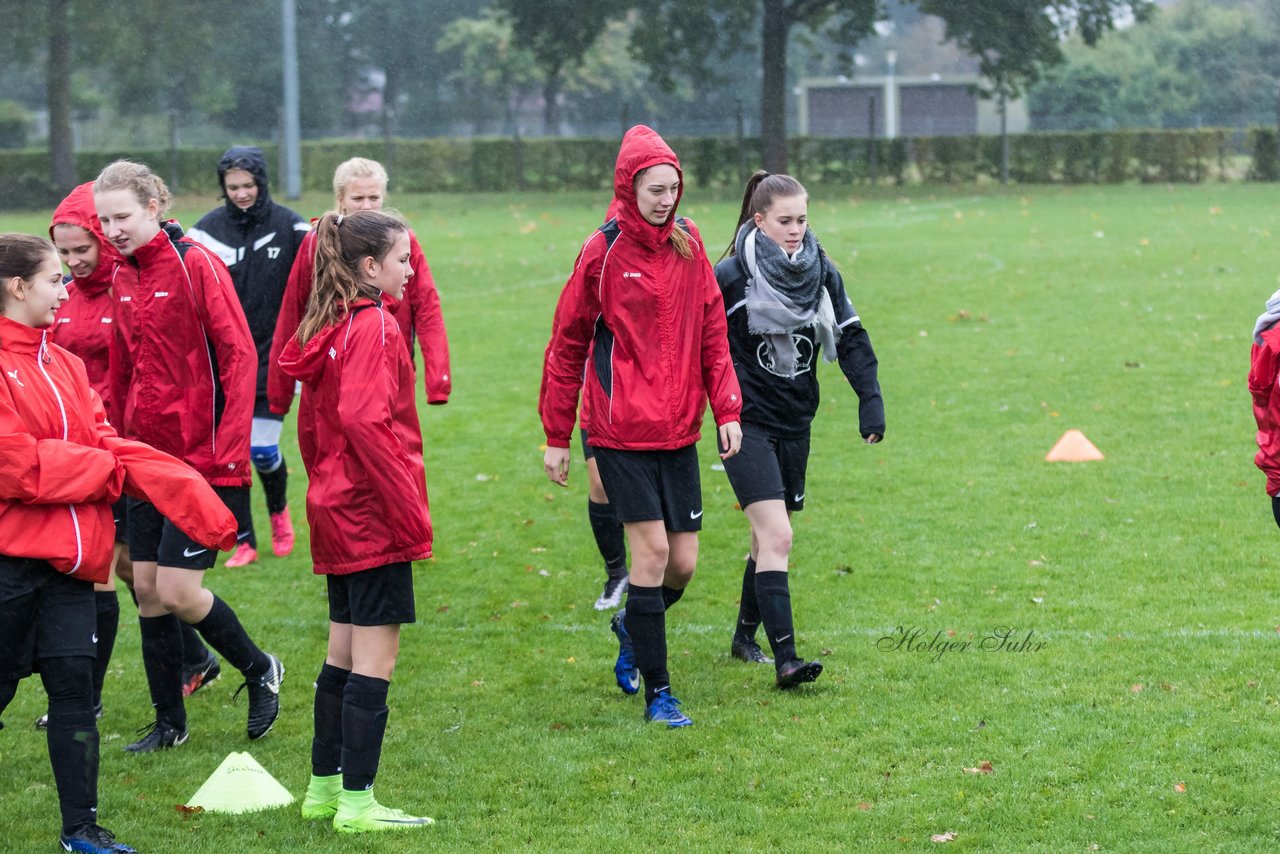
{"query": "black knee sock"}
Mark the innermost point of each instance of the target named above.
(670, 596)
(610, 538)
(237, 501)
(748, 609)
(646, 622)
(276, 486)
(108, 604)
(326, 743)
(775, 611)
(162, 659)
(194, 652)
(8, 689)
(364, 722)
(221, 628)
(73, 737)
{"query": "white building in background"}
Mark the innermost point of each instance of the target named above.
(935, 105)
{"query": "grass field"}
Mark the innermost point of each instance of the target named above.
(1147, 720)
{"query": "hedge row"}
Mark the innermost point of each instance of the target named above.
(549, 164)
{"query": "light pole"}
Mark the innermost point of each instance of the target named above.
(292, 133)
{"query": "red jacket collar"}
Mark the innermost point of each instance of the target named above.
(19, 338)
(641, 148)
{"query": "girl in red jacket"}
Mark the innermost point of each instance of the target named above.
(190, 393)
(366, 502)
(61, 468)
(361, 185)
(643, 313)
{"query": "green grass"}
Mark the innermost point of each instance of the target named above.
(1001, 319)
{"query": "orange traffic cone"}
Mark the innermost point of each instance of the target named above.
(1073, 447)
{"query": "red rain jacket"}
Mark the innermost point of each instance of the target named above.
(420, 316)
(648, 323)
(1264, 369)
(62, 466)
(190, 383)
(87, 322)
(361, 444)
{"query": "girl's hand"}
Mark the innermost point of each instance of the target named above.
(555, 462)
(730, 439)
(872, 439)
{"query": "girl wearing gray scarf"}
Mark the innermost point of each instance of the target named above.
(785, 303)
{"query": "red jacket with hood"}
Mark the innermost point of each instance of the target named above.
(648, 323)
(1264, 370)
(361, 444)
(62, 466)
(418, 315)
(87, 321)
(190, 386)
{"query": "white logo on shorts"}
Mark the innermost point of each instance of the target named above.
(190, 553)
(799, 498)
(693, 515)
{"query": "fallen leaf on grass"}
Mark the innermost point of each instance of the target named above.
(442, 609)
(949, 836)
(186, 811)
(1179, 787)
(863, 805)
(983, 768)
(1136, 688)
(558, 727)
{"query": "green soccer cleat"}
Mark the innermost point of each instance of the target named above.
(322, 797)
(358, 812)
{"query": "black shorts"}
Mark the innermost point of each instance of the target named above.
(120, 513)
(768, 467)
(152, 537)
(43, 614)
(262, 409)
(587, 451)
(645, 486)
(373, 597)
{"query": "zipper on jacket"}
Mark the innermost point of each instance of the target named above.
(62, 411)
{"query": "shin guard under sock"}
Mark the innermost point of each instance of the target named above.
(72, 735)
(162, 659)
(221, 628)
(775, 611)
(326, 743)
(364, 723)
(647, 624)
(108, 606)
(610, 538)
(748, 609)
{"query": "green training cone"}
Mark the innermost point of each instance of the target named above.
(240, 785)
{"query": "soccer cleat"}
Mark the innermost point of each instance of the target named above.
(94, 839)
(358, 812)
(244, 555)
(321, 800)
(281, 533)
(749, 651)
(158, 735)
(797, 671)
(195, 678)
(665, 709)
(625, 671)
(42, 722)
(264, 698)
(612, 595)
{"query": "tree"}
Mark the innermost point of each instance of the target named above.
(489, 68)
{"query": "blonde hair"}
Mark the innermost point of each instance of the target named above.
(342, 243)
(137, 179)
(356, 167)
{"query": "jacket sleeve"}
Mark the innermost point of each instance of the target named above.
(54, 471)
(571, 332)
(857, 357)
(718, 376)
(428, 327)
(366, 406)
(293, 306)
(1263, 368)
(237, 357)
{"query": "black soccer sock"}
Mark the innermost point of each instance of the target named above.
(671, 595)
(194, 652)
(72, 735)
(775, 611)
(221, 628)
(8, 690)
(364, 723)
(236, 498)
(108, 605)
(748, 608)
(162, 659)
(610, 538)
(646, 622)
(275, 484)
(326, 743)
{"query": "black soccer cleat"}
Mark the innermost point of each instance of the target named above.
(797, 671)
(264, 698)
(749, 651)
(158, 735)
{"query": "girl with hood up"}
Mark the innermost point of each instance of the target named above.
(643, 313)
(366, 502)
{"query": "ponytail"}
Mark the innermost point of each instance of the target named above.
(762, 189)
(342, 244)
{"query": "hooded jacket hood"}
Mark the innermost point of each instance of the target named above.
(642, 148)
(78, 209)
(251, 159)
(307, 362)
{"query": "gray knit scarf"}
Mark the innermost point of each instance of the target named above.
(1268, 318)
(785, 293)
